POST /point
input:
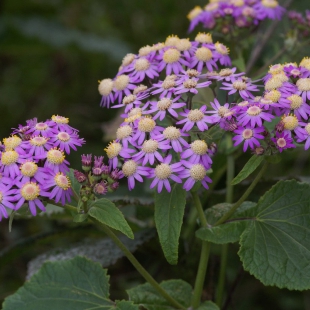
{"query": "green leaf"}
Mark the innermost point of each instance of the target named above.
(249, 167)
(208, 305)
(105, 211)
(229, 231)
(77, 284)
(169, 212)
(275, 247)
(239, 63)
(78, 218)
(125, 305)
(149, 298)
(75, 185)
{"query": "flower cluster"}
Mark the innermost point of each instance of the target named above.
(225, 16)
(300, 23)
(33, 164)
(97, 178)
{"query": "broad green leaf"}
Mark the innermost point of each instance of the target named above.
(77, 284)
(75, 185)
(231, 230)
(169, 212)
(208, 305)
(275, 247)
(249, 167)
(125, 305)
(149, 298)
(105, 211)
(78, 218)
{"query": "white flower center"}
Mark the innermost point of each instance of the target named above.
(281, 142)
(290, 122)
(9, 157)
(239, 85)
(123, 132)
(296, 101)
(142, 64)
(113, 149)
(105, 87)
(254, 110)
(195, 115)
(55, 156)
(129, 99)
(128, 59)
(203, 54)
(247, 134)
(183, 45)
(171, 55)
(303, 84)
(163, 171)
(121, 82)
(273, 95)
(30, 191)
(172, 133)
(150, 146)
(164, 104)
(146, 124)
(199, 147)
(273, 83)
(270, 3)
(129, 168)
(28, 169)
(307, 128)
(198, 172)
(204, 37)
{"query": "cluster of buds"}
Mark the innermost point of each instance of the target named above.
(96, 178)
(229, 16)
(33, 164)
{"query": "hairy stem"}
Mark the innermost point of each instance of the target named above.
(204, 255)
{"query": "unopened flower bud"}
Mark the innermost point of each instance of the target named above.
(101, 188)
(86, 162)
(114, 186)
(79, 176)
(115, 174)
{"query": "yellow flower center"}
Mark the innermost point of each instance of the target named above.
(247, 134)
(307, 128)
(270, 3)
(199, 147)
(190, 84)
(237, 2)
(150, 146)
(30, 191)
(63, 136)
(123, 132)
(225, 72)
(121, 82)
(305, 63)
(222, 111)
(192, 73)
(55, 156)
(113, 149)
(38, 140)
(203, 37)
(254, 110)
(168, 83)
(221, 48)
(183, 45)
(62, 181)
(273, 83)
(296, 101)
(198, 172)
(275, 69)
(163, 171)
(194, 12)
(290, 122)
(146, 124)
(273, 95)
(172, 133)
(139, 89)
(164, 104)
(171, 55)
(172, 40)
(135, 111)
(129, 99)
(29, 169)
(9, 157)
(11, 142)
(142, 64)
(60, 119)
(128, 59)
(239, 85)
(145, 50)
(129, 168)
(211, 6)
(203, 54)
(195, 115)
(303, 84)
(105, 87)
(41, 126)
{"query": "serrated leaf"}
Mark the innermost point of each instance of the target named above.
(125, 305)
(77, 284)
(149, 298)
(275, 247)
(169, 212)
(248, 168)
(105, 211)
(208, 305)
(230, 231)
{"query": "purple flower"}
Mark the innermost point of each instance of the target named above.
(220, 111)
(190, 85)
(114, 149)
(59, 188)
(146, 125)
(133, 171)
(55, 160)
(122, 85)
(6, 199)
(195, 117)
(166, 87)
(268, 9)
(124, 135)
(303, 86)
(64, 141)
(194, 173)
(249, 136)
(141, 68)
(31, 172)
(163, 172)
(130, 101)
(38, 146)
(303, 134)
(254, 115)
(9, 163)
(203, 58)
(42, 128)
(105, 89)
(301, 109)
(283, 141)
(244, 87)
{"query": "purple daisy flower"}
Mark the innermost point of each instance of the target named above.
(124, 134)
(268, 9)
(6, 200)
(38, 146)
(203, 57)
(220, 111)
(194, 173)
(123, 85)
(163, 172)
(249, 136)
(283, 141)
(60, 123)
(303, 86)
(244, 87)
(195, 16)
(41, 128)
(146, 125)
(197, 153)
(131, 101)
(31, 172)
(58, 187)
(133, 171)
(9, 164)
(166, 87)
(114, 149)
(149, 151)
(221, 54)
(64, 141)
(300, 108)
(29, 192)
(141, 68)
(174, 136)
(195, 117)
(303, 134)
(190, 85)
(254, 115)
(55, 160)
(105, 89)
(164, 105)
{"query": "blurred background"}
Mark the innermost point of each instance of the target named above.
(52, 54)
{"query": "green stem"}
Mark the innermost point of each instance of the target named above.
(227, 215)
(65, 206)
(140, 268)
(229, 199)
(204, 256)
